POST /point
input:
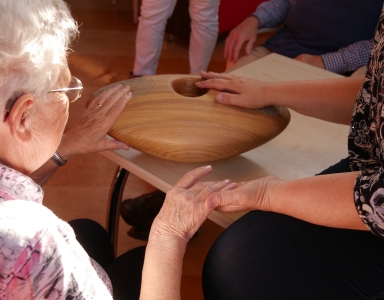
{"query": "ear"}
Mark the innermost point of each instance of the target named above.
(18, 119)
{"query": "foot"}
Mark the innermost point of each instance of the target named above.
(140, 213)
(131, 75)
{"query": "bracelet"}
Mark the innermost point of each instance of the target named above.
(58, 159)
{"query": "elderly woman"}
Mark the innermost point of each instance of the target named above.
(39, 254)
(305, 238)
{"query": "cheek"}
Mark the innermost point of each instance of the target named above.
(63, 115)
(59, 116)
(53, 119)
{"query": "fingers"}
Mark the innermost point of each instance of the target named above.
(107, 107)
(111, 96)
(221, 198)
(229, 42)
(232, 99)
(299, 58)
(104, 96)
(221, 82)
(249, 45)
(232, 48)
(212, 75)
(191, 177)
(115, 145)
(236, 49)
(212, 188)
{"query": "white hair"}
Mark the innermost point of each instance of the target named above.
(34, 41)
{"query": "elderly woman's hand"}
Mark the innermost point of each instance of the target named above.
(185, 207)
(89, 135)
(240, 91)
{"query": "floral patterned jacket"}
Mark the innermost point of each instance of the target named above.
(40, 257)
(366, 139)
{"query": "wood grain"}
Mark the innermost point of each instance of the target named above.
(170, 118)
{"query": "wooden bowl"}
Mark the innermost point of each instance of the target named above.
(170, 118)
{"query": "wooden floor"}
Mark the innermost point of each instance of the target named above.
(103, 54)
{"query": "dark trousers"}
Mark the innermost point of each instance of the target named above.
(124, 271)
(266, 255)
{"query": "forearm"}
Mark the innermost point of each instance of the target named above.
(349, 58)
(326, 200)
(46, 171)
(41, 175)
(162, 269)
(330, 100)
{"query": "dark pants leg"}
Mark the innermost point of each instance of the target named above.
(124, 271)
(272, 256)
(94, 239)
(125, 274)
(341, 167)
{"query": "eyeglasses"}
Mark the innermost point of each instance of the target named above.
(73, 91)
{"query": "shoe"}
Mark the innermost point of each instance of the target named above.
(131, 75)
(140, 213)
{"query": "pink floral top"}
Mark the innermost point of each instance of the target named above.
(40, 257)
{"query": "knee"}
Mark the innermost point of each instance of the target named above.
(205, 17)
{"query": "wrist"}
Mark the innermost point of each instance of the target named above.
(275, 195)
(264, 194)
(277, 93)
(167, 241)
(65, 149)
(162, 232)
(254, 20)
(269, 95)
(60, 161)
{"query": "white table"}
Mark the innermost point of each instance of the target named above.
(306, 147)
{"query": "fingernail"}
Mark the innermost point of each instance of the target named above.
(219, 98)
(208, 167)
(227, 180)
(118, 86)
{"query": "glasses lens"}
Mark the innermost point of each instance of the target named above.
(75, 88)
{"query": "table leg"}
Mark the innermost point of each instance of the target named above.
(114, 201)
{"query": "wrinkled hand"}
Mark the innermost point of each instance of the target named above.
(250, 195)
(89, 134)
(314, 60)
(245, 31)
(185, 207)
(239, 91)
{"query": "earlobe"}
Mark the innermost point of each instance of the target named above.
(18, 120)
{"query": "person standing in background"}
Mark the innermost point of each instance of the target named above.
(150, 34)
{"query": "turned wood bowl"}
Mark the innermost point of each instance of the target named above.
(169, 117)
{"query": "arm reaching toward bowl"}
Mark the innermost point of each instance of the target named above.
(184, 210)
(330, 100)
(89, 134)
(325, 200)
